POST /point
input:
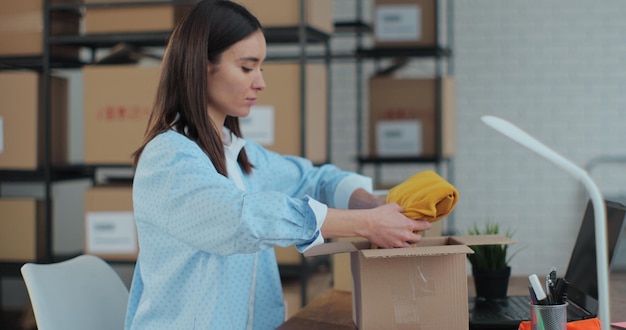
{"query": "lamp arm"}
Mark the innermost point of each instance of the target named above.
(602, 263)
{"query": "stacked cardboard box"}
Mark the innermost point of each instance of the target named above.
(21, 28)
(22, 230)
(118, 101)
(22, 122)
(109, 223)
(318, 13)
(402, 116)
(124, 19)
(405, 23)
(277, 122)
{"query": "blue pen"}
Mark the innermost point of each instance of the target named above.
(533, 296)
(541, 295)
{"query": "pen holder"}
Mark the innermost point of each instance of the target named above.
(548, 317)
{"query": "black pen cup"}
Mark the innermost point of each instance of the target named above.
(548, 317)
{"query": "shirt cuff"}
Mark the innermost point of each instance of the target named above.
(347, 186)
(319, 210)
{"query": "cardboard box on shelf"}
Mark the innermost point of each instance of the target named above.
(402, 116)
(423, 287)
(318, 13)
(22, 121)
(276, 121)
(22, 230)
(118, 101)
(124, 19)
(405, 23)
(21, 29)
(110, 230)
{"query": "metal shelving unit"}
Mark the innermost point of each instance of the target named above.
(438, 53)
(300, 36)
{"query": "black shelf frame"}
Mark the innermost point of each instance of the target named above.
(437, 52)
(352, 27)
(402, 159)
(77, 4)
(300, 35)
(274, 35)
(35, 63)
(57, 173)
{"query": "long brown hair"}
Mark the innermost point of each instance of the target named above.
(211, 27)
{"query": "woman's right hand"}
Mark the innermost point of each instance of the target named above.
(387, 227)
(384, 226)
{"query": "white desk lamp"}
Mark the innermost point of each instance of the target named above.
(602, 264)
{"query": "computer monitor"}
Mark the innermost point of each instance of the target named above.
(582, 266)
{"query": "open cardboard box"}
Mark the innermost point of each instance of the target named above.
(422, 287)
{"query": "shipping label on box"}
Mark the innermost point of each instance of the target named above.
(110, 232)
(398, 23)
(258, 126)
(399, 137)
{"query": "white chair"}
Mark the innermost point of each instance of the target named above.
(80, 293)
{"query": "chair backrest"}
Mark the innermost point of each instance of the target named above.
(80, 293)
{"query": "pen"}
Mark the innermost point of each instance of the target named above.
(553, 275)
(560, 290)
(533, 296)
(536, 285)
(552, 283)
(548, 289)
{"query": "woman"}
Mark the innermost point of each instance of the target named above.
(210, 206)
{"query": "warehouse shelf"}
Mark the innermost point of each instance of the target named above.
(351, 28)
(300, 37)
(296, 40)
(402, 159)
(36, 63)
(58, 173)
(382, 52)
(278, 35)
(439, 53)
(105, 4)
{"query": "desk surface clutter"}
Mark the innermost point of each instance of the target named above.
(333, 309)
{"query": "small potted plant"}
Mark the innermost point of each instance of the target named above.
(490, 264)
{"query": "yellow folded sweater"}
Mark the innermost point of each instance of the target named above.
(424, 196)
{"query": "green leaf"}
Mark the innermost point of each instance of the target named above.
(489, 256)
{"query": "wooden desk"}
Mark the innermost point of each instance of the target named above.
(333, 309)
(330, 310)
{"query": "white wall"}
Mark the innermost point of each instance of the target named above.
(557, 69)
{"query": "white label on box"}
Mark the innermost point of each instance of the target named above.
(399, 137)
(111, 233)
(398, 23)
(259, 125)
(1, 135)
